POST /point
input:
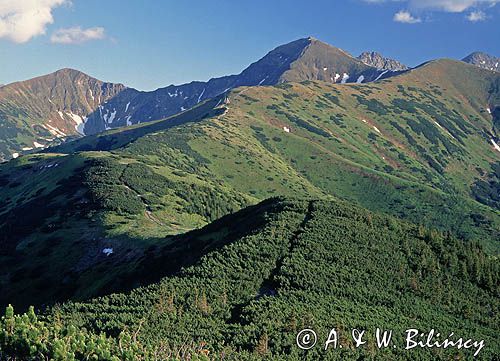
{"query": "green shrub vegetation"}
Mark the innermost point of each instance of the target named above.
(273, 269)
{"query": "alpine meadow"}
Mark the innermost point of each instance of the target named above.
(297, 210)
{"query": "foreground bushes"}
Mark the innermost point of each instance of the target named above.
(25, 337)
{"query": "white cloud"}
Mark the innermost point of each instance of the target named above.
(476, 16)
(405, 17)
(454, 6)
(21, 20)
(77, 35)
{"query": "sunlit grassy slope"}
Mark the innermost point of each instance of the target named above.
(413, 146)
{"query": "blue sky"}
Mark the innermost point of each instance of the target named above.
(154, 43)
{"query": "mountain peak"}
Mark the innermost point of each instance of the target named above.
(483, 60)
(68, 70)
(70, 73)
(380, 62)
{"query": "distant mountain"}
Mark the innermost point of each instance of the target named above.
(68, 103)
(380, 62)
(40, 111)
(483, 60)
(303, 59)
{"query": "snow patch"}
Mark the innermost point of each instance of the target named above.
(360, 79)
(27, 148)
(126, 106)
(15, 155)
(54, 131)
(377, 130)
(325, 69)
(201, 95)
(286, 129)
(38, 145)
(61, 114)
(107, 251)
(345, 77)
(488, 110)
(381, 75)
(497, 147)
(112, 116)
(337, 76)
(128, 120)
(79, 122)
(439, 125)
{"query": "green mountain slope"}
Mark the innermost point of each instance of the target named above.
(417, 146)
(258, 277)
(422, 138)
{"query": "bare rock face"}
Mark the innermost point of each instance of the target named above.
(49, 109)
(380, 62)
(484, 61)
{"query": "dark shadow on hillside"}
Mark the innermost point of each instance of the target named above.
(185, 250)
(67, 260)
(121, 136)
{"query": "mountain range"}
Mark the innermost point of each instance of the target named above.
(420, 146)
(222, 230)
(66, 104)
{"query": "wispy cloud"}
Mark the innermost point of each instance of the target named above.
(454, 6)
(21, 20)
(476, 16)
(405, 17)
(77, 35)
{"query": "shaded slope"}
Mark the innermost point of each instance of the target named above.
(294, 268)
(75, 226)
